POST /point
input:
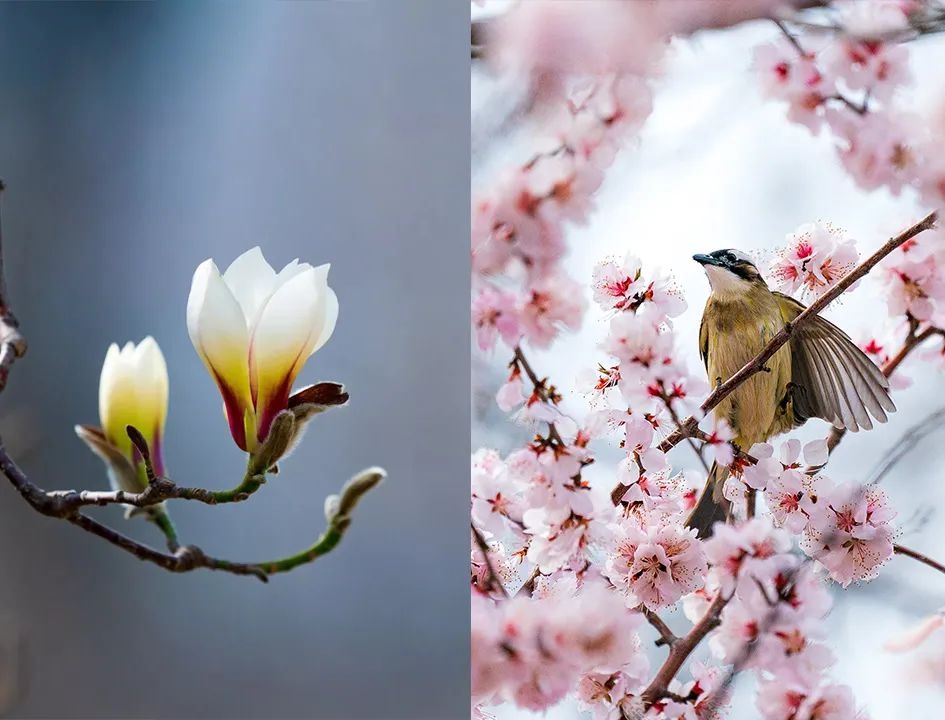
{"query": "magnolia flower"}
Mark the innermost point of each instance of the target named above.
(132, 391)
(254, 329)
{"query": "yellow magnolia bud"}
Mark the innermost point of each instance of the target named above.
(133, 390)
(254, 329)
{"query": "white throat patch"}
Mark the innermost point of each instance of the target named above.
(724, 281)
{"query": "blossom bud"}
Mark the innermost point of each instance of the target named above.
(133, 390)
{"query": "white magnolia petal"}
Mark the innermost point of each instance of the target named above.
(218, 330)
(329, 319)
(288, 328)
(291, 270)
(153, 385)
(107, 380)
(252, 281)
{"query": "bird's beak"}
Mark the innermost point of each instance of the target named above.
(706, 259)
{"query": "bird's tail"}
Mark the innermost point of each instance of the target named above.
(712, 506)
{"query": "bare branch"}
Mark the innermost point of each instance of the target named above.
(915, 555)
(681, 650)
(667, 636)
(492, 580)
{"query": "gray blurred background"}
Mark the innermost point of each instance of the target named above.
(137, 140)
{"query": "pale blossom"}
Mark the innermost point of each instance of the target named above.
(815, 257)
(655, 566)
(622, 286)
(869, 64)
(255, 329)
(796, 79)
(852, 536)
(495, 315)
(496, 501)
(554, 303)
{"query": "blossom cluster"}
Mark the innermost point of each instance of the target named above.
(845, 526)
(534, 651)
(518, 225)
(850, 83)
(776, 606)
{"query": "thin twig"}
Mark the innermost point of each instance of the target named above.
(681, 650)
(539, 387)
(667, 636)
(492, 580)
(915, 555)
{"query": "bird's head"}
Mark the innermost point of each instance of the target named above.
(729, 271)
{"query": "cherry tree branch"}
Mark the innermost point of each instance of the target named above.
(492, 578)
(916, 555)
(681, 650)
(667, 636)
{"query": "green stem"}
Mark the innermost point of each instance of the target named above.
(164, 523)
(325, 544)
(254, 479)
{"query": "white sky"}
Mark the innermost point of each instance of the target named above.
(717, 166)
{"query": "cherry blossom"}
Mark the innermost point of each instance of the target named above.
(495, 315)
(852, 536)
(657, 565)
(814, 258)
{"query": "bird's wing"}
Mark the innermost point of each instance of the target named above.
(704, 343)
(831, 378)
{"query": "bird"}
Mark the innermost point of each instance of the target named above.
(820, 372)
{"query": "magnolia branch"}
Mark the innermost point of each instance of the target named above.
(66, 505)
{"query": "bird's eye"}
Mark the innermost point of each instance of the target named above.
(729, 257)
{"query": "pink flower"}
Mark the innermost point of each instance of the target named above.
(869, 64)
(655, 566)
(533, 652)
(914, 284)
(718, 442)
(852, 536)
(816, 256)
(796, 79)
(494, 315)
(623, 287)
(495, 499)
(746, 548)
(877, 149)
(554, 303)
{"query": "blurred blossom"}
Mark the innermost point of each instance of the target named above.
(254, 329)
